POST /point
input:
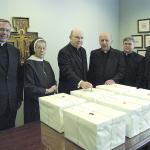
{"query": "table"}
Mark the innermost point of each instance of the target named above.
(38, 136)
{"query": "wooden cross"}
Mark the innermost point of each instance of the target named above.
(21, 38)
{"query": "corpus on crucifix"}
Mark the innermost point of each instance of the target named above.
(21, 38)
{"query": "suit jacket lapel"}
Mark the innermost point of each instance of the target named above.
(10, 57)
(84, 64)
(77, 59)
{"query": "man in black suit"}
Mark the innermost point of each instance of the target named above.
(146, 78)
(9, 70)
(134, 64)
(72, 64)
(106, 64)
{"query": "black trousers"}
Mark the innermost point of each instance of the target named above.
(7, 120)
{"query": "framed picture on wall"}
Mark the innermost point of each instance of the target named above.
(141, 52)
(146, 40)
(138, 41)
(143, 25)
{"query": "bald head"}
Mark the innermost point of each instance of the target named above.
(105, 40)
(76, 38)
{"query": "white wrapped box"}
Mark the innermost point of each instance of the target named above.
(88, 128)
(118, 123)
(92, 95)
(143, 94)
(134, 95)
(140, 93)
(145, 109)
(51, 109)
(134, 114)
(118, 127)
(116, 88)
(134, 111)
(127, 90)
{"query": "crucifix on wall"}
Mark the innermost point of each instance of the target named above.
(21, 38)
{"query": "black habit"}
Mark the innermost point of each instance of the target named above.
(39, 76)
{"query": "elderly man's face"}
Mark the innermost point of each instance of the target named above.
(105, 42)
(5, 30)
(128, 46)
(76, 39)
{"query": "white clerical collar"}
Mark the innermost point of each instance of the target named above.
(33, 57)
(2, 43)
(75, 47)
(127, 53)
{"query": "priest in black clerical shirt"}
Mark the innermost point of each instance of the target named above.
(72, 62)
(10, 85)
(146, 78)
(134, 64)
(106, 63)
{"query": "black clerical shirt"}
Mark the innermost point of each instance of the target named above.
(4, 58)
(103, 62)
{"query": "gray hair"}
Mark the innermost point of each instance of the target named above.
(129, 38)
(4, 20)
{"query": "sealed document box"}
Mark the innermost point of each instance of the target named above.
(51, 109)
(94, 127)
(133, 110)
(92, 94)
(145, 109)
(117, 88)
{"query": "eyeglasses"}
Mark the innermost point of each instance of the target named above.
(5, 30)
(128, 44)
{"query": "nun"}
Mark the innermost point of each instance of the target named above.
(39, 80)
